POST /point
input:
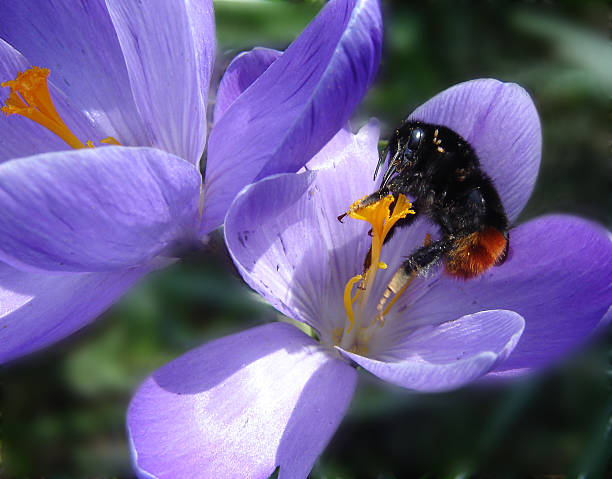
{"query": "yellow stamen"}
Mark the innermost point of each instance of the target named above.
(348, 301)
(382, 220)
(378, 214)
(29, 97)
(110, 141)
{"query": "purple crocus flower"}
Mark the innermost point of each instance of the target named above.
(79, 226)
(272, 396)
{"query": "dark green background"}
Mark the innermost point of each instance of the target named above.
(63, 409)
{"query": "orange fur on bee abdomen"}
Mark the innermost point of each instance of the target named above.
(475, 253)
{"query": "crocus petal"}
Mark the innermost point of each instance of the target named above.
(39, 309)
(558, 276)
(242, 71)
(343, 146)
(447, 356)
(169, 49)
(78, 43)
(296, 105)
(284, 237)
(239, 407)
(501, 123)
(94, 209)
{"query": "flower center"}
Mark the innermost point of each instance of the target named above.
(29, 97)
(359, 329)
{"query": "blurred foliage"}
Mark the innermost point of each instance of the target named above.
(63, 409)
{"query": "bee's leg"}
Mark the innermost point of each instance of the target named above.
(427, 255)
(418, 261)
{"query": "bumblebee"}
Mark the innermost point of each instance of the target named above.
(441, 172)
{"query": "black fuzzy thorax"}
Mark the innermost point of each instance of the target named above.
(444, 178)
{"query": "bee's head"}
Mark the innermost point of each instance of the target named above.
(403, 149)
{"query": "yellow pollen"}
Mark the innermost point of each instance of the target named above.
(29, 97)
(337, 335)
(360, 347)
(381, 219)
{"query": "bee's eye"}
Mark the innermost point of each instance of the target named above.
(416, 136)
(412, 145)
